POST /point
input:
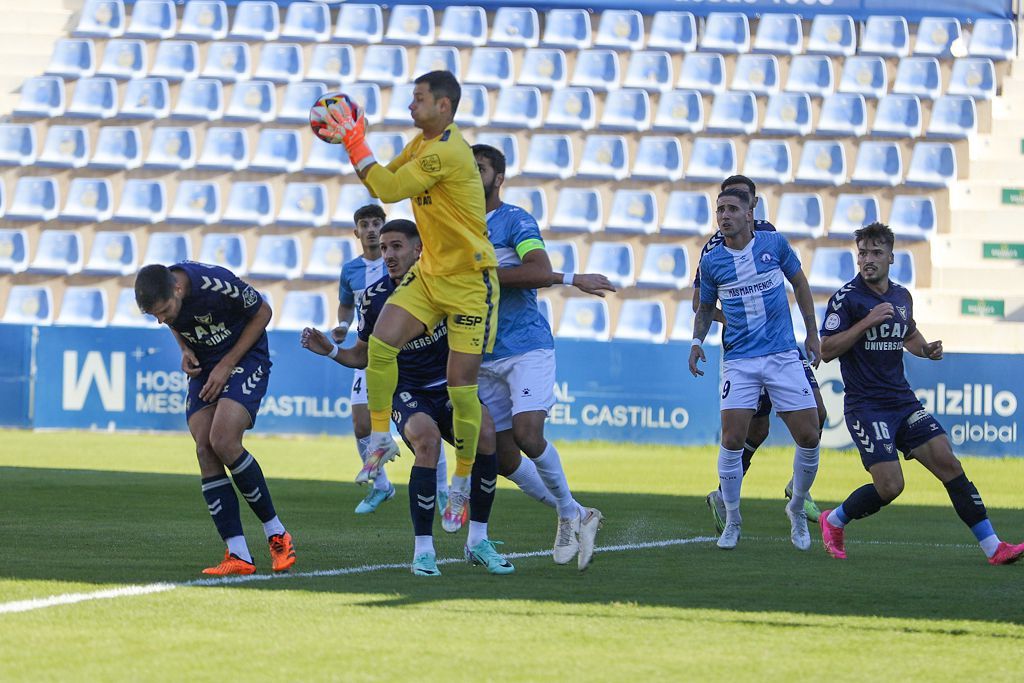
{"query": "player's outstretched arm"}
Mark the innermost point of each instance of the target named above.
(805, 301)
(405, 181)
(835, 345)
(317, 342)
(920, 347)
(251, 333)
(701, 326)
(345, 314)
(536, 273)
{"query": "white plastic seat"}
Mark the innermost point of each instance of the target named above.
(758, 74)
(249, 203)
(253, 101)
(531, 198)
(298, 99)
(127, 313)
(226, 250)
(673, 31)
(659, 158)
(410, 25)
(973, 76)
(578, 209)
(781, 34)
(507, 144)
(866, 75)
(176, 60)
(327, 159)
(643, 321)
(94, 98)
(278, 150)
(633, 211)
(359, 24)
(571, 108)
(474, 107)
(491, 67)
(913, 217)
(811, 74)
(898, 116)
(549, 156)
(688, 213)
(628, 110)
(597, 69)
(680, 111)
(197, 202)
(993, 38)
(787, 114)
(58, 252)
(201, 99)
(113, 253)
(620, 29)
(650, 70)
(515, 27)
(303, 309)
(832, 34)
(167, 248)
(733, 112)
(225, 149)
(919, 76)
(101, 19)
(386, 146)
(13, 250)
(614, 260)
(886, 36)
(307, 22)
(768, 162)
(935, 36)
(712, 159)
(36, 198)
(65, 147)
(851, 213)
(563, 255)
(932, 164)
(438, 58)
(463, 26)
(604, 157)
(123, 59)
(350, 198)
(146, 98)
(304, 205)
(953, 116)
(800, 215)
(822, 162)
(544, 68)
(278, 257)
(142, 201)
(89, 200)
(831, 268)
(327, 255)
(585, 318)
(72, 58)
(204, 20)
(281, 63)
(843, 115)
(256, 20)
(228, 62)
(567, 28)
(727, 32)
(332, 64)
(703, 72)
(665, 266)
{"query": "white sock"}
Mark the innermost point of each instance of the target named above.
(990, 545)
(805, 468)
(382, 483)
(730, 477)
(549, 467)
(237, 546)
(477, 533)
(834, 520)
(361, 445)
(273, 527)
(442, 471)
(460, 484)
(424, 544)
(530, 483)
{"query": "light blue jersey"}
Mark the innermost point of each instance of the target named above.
(356, 276)
(521, 327)
(751, 286)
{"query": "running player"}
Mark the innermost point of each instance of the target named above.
(220, 323)
(746, 274)
(870, 323)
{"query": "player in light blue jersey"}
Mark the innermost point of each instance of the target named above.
(517, 379)
(746, 273)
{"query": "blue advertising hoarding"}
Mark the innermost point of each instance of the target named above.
(16, 375)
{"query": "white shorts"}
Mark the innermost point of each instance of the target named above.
(782, 374)
(358, 387)
(518, 384)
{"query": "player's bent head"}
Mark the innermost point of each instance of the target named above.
(875, 234)
(154, 284)
(442, 85)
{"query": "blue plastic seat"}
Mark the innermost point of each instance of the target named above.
(327, 159)
(474, 107)
(127, 313)
(934, 36)
(224, 149)
(519, 106)
(832, 34)
(327, 255)
(953, 116)
(563, 255)
(204, 20)
(913, 217)
(633, 211)
(304, 205)
(307, 22)
(688, 213)
(758, 74)
(567, 28)
(571, 108)
(585, 318)
(89, 200)
(918, 76)
(781, 34)
(831, 268)
(761, 209)
(359, 24)
(822, 162)
(176, 60)
(491, 67)
(886, 36)
(515, 27)
(933, 164)
(549, 156)
(604, 157)
(727, 32)
(142, 201)
(852, 212)
(439, 58)
(682, 327)
(280, 63)
(302, 309)
(410, 25)
(123, 59)
(673, 32)
(386, 146)
(153, 19)
(17, 144)
(298, 98)
(367, 96)
(787, 113)
(332, 64)
(201, 99)
(249, 203)
(628, 110)
(167, 248)
(544, 68)
(254, 101)
(614, 260)
(902, 270)
(507, 144)
(703, 72)
(36, 198)
(463, 26)
(641, 320)
(256, 20)
(578, 209)
(974, 76)
(993, 38)
(385, 64)
(597, 69)
(101, 19)
(72, 58)
(172, 147)
(800, 215)
(712, 159)
(659, 158)
(279, 150)
(113, 253)
(878, 163)
(13, 250)
(799, 326)
(620, 29)
(733, 112)
(529, 197)
(29, 305)
(58, 252)
(146, 98)
(278, 257)
(650, 70)
(197, 202)
(769, 162)
(227, 250)
(94, 98)
(866, 75)
(811, 74)
(898, 116)
(350, 198)
(665, 266)
(843, 115)
(680, 111)
(228, 62)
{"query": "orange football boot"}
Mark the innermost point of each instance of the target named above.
(282, 552)
(231, 565)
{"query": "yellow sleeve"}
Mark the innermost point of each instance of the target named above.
(393, 166)
(412, 177)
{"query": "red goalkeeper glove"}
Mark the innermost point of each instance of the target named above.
(348, 122)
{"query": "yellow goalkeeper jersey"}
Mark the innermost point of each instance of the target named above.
(441, 178)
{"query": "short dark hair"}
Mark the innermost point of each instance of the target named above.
(738, 193)
(493, 155)
(403, 226)
(442, 84)
(369, 211)
(153, 283)
(737, 180)
(875, 232)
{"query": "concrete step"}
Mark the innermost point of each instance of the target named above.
(1002, 170)
(1002, 278)
(37, 22)
(959, 250)
(945, 304)
(974, 336)
(13, 46)
(999, 225)
(998, 145)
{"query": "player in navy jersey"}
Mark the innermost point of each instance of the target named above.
(746, 274)
(760, 423)
(423, 413)
(869, 324)
(220, 323)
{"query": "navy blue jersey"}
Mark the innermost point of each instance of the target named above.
(217, 308)
(423, 362)
(873, 367)
(718, 238)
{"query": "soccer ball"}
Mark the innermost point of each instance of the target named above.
(318, 115)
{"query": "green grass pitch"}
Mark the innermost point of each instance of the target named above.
(89, 512)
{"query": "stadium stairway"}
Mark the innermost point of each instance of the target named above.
(27, 36)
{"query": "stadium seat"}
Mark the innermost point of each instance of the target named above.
(913, 217)
(58, 252)
(993, 38)
(438, 58)
(688, 213)
(204, 20)
(598, 70)
(228, 62)
(385, 146)
(680, 111)
(89, 200)
(633, 211)
(673, 32)
(298, 98)
(800, 215)
(852, 212)
(886, 36)
(507, 144)
(614, 260)
(578, 209)
(385, 64)
(659, 158)
(758, 74)
(799, 326)
(29, 305)
(822, 162)
(17, 144)
(280, 63)
(831, 268)
(769, 162)
(463, 26)
(953, 116)
(918, 76)
(620, 29)
(146, 98)
(307, 22)
(367, 96)
(898, 116)
(529, 197)
(101, 19)
(549, 156)
(563, 255)
(682, 327)
(933, 164)
(567, 28)
(761, 209)
(787, 113)
(703, 72)
(226, 250)
(781, 34)
(197, 202)
(72, 58)
(665, 266)
(201, 99)
(832, 34)
(865, 75)
(474, 107)
(628, 110)
(332, 64)
(544, 68)
(303, 309)
(604, 157)
(123, 59)
(224, 149)
(142, 201)
(327, 256)
(113, 253)
(585, 318)
(491, 67)
(515, 27)
(36, 198)
(255, 20)
(176, 60)
(94, 98)
(650, 70)
(278, 257)
(902, 270)
(972, 76)
(167, 248)
(279, 150)
(843, 115)
(733, 111)
(935, 36)
(712, 159)
(249, 203)
(727, 32)
(13, 250)
(253, 101)
(811, 74)
(641, 320)
(350, 197)
(127, 313)
(359, 24)
(410, 25)
(327, 159)
(304, 205)
(571, 108)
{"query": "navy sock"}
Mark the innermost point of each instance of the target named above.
(966, 500)
(748, 454)
(863, 502)
(422, 499)
(222, 503)
(482, 486)
(250, 481)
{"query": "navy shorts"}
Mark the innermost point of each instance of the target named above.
(247, 385)
(434, 402)
(880, 434)
(764, 401)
